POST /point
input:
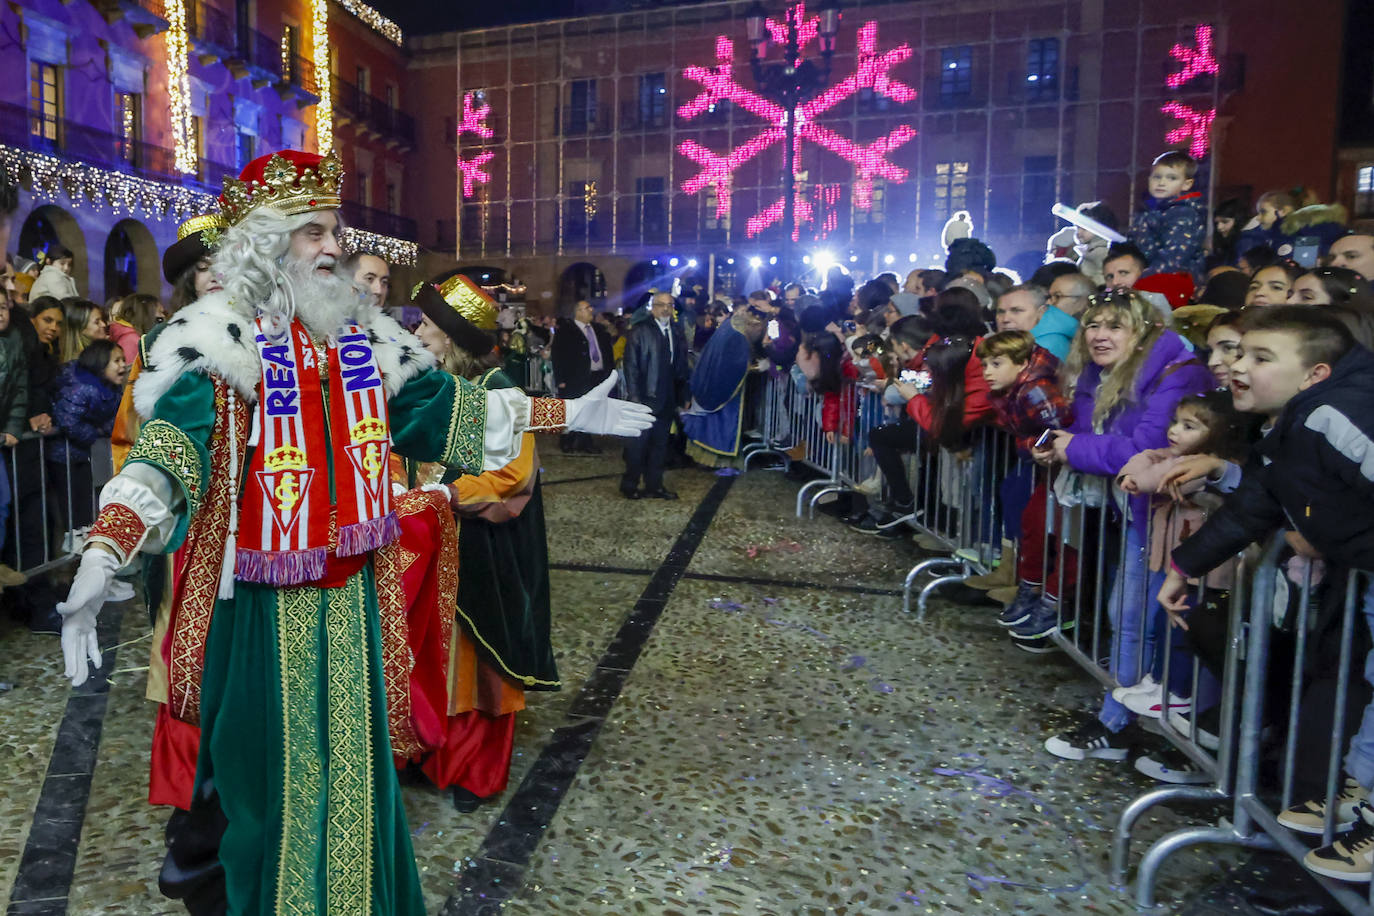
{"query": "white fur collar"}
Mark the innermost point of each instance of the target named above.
(212, 337)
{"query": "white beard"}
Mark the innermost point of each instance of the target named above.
(324, 301)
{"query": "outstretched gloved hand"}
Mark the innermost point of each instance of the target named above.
(598, 413)
(79, 642)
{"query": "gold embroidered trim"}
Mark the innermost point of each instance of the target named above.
(465, 443)
(388, 566)
(348, 826)
(167, 447)
(548, 414)
(118, 527)
(302, 772)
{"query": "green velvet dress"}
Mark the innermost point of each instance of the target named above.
(293, 718)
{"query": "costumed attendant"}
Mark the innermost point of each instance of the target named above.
(270, 410)
(172, 764)
(501, 645)
(714, 421)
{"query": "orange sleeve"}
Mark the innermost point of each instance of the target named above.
(127, 423)
(500, 484)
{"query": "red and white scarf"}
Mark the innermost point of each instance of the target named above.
(284, 525)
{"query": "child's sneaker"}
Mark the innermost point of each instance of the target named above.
(1208, 731)
(1172, 766)
(1019, 611)
(1349, 858)
(1310, 816)
(1090, 739)
(1043, 621)
(1152, 704)
(1146, 684)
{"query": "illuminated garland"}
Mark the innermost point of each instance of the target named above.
(74, 182)
(391, 250)
(324, 109)
(375, 20)
(179, 86)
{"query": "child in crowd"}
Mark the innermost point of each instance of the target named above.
(1227, 223)
(88, 393)
(1023, 389)
(1266, 229)
(134, 315)
(1223, 346)
(1170, 229)
(1204, 424)
(56, 279)
(1301, 370)
(821, 359)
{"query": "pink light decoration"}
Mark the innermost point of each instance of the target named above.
(475, 122)
(827, 200)
(869, 161)
(801, 213)
(807, 29)
(1195, 129)
(1196, 61)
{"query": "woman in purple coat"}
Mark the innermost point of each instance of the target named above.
(1126, 373)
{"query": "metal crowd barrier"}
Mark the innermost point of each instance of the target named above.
(765, 405)
(43, 495)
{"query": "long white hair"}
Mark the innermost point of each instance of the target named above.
(257, 272)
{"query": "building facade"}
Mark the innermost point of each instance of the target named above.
(119, 118)
(600, 154)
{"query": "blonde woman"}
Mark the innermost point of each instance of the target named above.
(82, 322)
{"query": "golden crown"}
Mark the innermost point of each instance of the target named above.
(469, 301)
(285, 188)
(369, 429)
(285, 458)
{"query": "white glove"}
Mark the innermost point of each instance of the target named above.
(598, 413)
(79, 641)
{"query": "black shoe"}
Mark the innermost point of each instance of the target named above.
(1172, 766)
(876, 521)
(1090, 739)
(47, 622)
(630, 494)
(465, 802)
(660, 493)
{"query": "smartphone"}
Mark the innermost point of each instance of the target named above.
(1045, 439)
(850, 327)
(1305, 250)
(773, 330)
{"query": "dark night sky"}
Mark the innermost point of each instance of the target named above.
(421, 17)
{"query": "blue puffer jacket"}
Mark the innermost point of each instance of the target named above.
(84, 410)
(1171, 234)
(1055, 331)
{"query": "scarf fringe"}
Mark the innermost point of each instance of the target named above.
(369, 535)
(286, 567)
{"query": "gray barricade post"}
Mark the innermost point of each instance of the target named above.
(44, 494)
(770, 417)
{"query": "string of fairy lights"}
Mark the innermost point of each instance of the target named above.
(389, 249)
(375, 20)
(77, 183)
(179, 87)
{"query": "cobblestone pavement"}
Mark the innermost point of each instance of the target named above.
(749, 724)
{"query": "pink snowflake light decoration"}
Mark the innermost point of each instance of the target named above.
(1200, 60)
(1195, 129)
(475, 122)
(807, 29)
(718, 84)
(1196, 61)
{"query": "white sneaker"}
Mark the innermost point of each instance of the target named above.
(1146, 684)
(1152, 704)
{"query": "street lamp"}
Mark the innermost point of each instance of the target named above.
(790, 83)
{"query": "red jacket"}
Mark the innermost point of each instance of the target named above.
(839, 406)
(977, 408)
(1034, 402)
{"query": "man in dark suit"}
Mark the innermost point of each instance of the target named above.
(582, 358)
(656, 371)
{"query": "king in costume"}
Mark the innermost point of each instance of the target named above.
(270, 410)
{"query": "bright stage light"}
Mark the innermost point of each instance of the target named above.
(888, 259)
(672, 262)
(773, 259)
(692, 262)
(756, 262)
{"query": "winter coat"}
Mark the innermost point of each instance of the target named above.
(1312, 472)
(1171, 234)
(1091, 256)
(651, 378)
(85, 410)
(571, 355)
(1168, 374)
(42, 365)
(55, 282)
(14, 383)
(127, 337)
(1033, 403)
(1172, 522)
(1256, 236)
(1055, 331)
(977, 408)
(1324, 221)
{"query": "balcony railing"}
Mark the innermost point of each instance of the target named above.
(378, 221)
(370, 111)
(212, 28)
